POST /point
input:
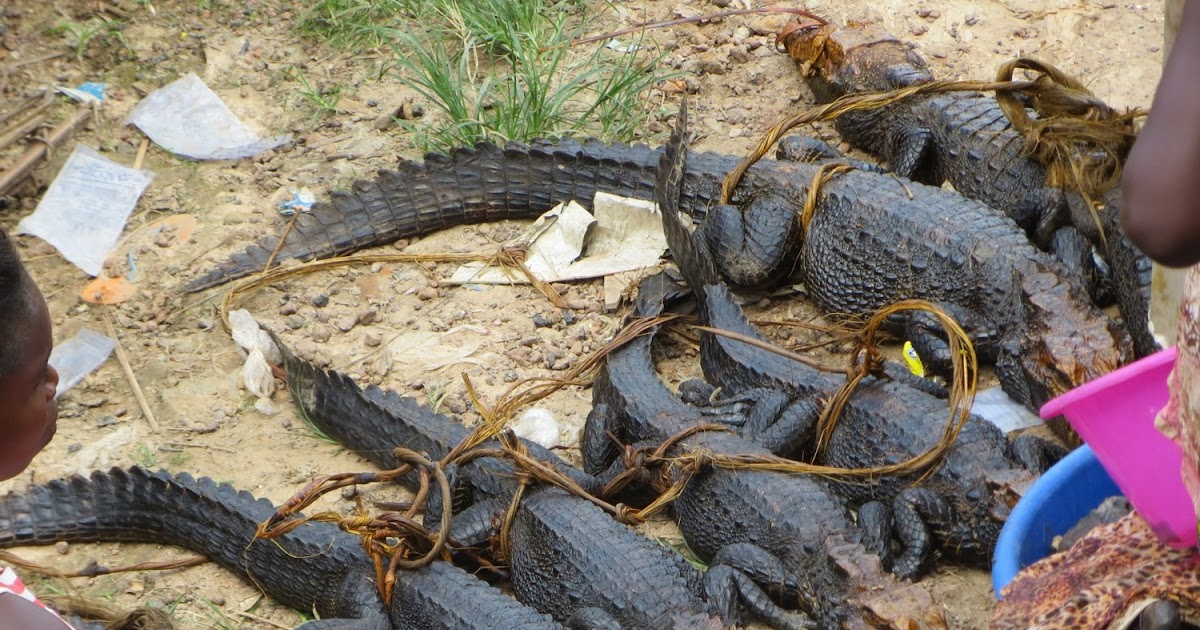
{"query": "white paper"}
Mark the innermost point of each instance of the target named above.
(624, 235)
(85, 209)
(188, 119)
(78, 356)
(996, 407)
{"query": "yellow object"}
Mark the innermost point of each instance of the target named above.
(914, 362)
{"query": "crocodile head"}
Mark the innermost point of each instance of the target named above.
(1062, 343)
(859, 58)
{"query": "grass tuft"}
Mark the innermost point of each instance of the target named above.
(501, 70)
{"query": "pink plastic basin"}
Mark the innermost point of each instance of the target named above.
(1115, 415)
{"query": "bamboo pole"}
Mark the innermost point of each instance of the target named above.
(1166, 284)
(34, 154)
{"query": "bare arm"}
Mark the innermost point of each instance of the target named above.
(1160, 189)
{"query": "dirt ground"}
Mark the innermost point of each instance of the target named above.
(187, 364)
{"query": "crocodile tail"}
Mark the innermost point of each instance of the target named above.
(370, 422)
(301, 569)
(470, 185)
(690, 254)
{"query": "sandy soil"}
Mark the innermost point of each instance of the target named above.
(187, 363)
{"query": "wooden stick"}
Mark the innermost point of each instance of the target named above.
(34, 154)
(48, 57)
(133, 382)
(25, 104)
(21, 129)
(141, 154)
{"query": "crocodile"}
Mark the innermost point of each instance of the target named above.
(790, 533)
(569, 558)
(963, 504)
(966, 139)
(875, 239)
(314, 568)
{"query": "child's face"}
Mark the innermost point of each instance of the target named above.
(28, 411)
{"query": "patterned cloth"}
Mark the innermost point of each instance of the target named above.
(10, 583)
(1180, 419)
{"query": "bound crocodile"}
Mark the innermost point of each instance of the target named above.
(569, 558)
(315, 567)
(963, 138)
(963, 504)
(874, 240)
(790, 534)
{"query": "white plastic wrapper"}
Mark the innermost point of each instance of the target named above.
(85, 209)
(538, 425)
(262, 352)
(188, 119)
(256, 374)
(78, 356)
(250, 336)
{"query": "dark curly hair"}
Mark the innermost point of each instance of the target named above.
(16, 303)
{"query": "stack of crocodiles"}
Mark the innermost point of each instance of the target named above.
(786, 550)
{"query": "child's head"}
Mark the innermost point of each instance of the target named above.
(28, 412)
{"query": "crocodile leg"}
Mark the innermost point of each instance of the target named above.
(915, 510)
(876, 524)
(1041, 212)
(757, 244)
(725, 585)
(912, 152)
(806, 149)
(929, 338)
(1075, 252)
(1036, 453)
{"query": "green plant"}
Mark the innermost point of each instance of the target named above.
(354, 22)
(324, 98)
(501, 70)
(436, 394)
(145, 457)
(82, 33)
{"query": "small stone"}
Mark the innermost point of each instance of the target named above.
(321, 333)
(106, 421)
(62, 547)
(289, 308)
(510, 376)
(712, 66)
(738, 54)
(320, 300)
(1026, 32)
(457, 405)
(541, 321)
(971, 20)
(75, 448)
(427, 293)
(349, 492)
(372, 339)
(286, 423)
(120, 413)
(918, 29)
(296, 322)
(162, 240)
(204, 323)
(367, 316)
(217, 600)
(347, 323)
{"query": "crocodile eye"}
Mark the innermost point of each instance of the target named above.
(973, 495)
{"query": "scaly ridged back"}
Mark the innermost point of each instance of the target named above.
(316, 565)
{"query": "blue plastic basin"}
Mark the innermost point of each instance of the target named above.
(1054, 504)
